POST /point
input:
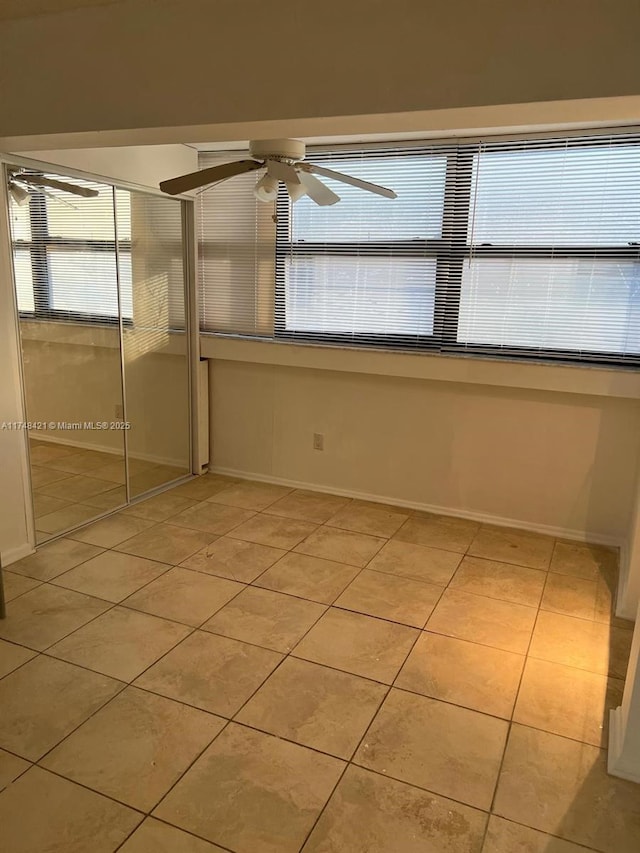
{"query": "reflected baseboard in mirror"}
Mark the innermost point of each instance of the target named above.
(73, 484)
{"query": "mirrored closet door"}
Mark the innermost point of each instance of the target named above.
(100, 290)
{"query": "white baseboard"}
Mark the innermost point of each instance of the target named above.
(145, 457)
(81, 445)
(12, 555)
(615, 765)
(484, 518)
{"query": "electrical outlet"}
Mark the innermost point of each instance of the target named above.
(318, 441)
(119, 412)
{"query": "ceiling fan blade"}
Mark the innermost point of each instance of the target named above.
(183, 183)
(317, 191)
(282, 172)
(75, 189)
(348, 179)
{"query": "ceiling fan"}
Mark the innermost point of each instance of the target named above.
(283, 161)
(22, 184)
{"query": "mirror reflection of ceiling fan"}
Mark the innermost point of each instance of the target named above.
(23, 183)
(283, 161)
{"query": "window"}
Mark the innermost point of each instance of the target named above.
(64, 251)
(517, 248)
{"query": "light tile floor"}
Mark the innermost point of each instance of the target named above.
(73, 485)
(244, 667)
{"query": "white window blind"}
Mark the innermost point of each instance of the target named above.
(64, 249)
(526, 248)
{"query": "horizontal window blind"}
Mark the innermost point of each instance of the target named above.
(236, 254)
(64, 248)
(71, 253)
(524, 248)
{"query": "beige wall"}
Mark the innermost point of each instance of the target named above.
(81, 381)
(162, 63)
(16, 528)
(558, 462)
(16, 533)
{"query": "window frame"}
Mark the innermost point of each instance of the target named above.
(38, 247)
(455, 249)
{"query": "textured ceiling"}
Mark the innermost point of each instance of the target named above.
(10, 9)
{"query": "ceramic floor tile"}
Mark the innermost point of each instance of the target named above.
(362, 517)
(42, 813)
(43, 504)
(308, 577)
(87, 462)
(571, 596)
(369, 813)
(113, 472)
(513, 546)
(213, 673)
(10, 768)
(66, 696)
(166, 543)
(446, 749)
(111, 576)
(84, 461)
(391, 597)
(75, 488)
(160, 507)
(12, 656)
(212, 518)
(274, 531)
(111, 499)
(463, 673)
(111, 531)
(156, 837)
(120, 643)
(343, 546)
(418, 562)
(438, 531)
(593, 646)
(46, 614)
(203, 487)
(358, 644)
(503, 836)
(567, 701)
(15, 585)
(266, 619)
(249, 495)
(314, 706)
(234, 559)
(561, 787)
(54, 559)
(252, 792)
(308, 506)
(45, 453)
(500, 580)
(66, 518)
(584, 561)
(185, 596)
(487, 621)
(43, 476)
(158, 475)
(135, 748)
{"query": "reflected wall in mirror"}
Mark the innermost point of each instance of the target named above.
(101, 295)
(65, 269)
(155, 349)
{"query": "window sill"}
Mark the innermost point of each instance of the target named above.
(537, 376)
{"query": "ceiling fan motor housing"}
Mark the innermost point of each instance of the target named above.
(277, 149)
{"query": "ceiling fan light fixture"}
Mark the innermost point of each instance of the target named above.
(19, 194)
(296, 191)
(266, 189)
